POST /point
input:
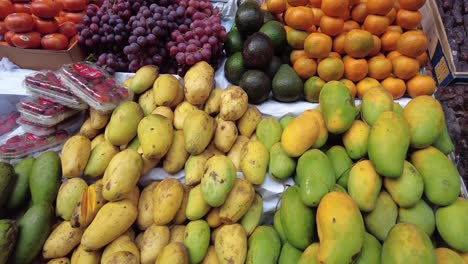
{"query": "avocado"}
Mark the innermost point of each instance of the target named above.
(234, 68)
(275, 31)
(249, 17)
(273, 67)
(257, 51)
(267, 16)
(234, 42)
(286, 85)
(257, 85)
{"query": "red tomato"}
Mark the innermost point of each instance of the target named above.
(6, 8)
(45, 8)
(8, 36)
(54, 41)
(74, 5)
(72, 41)
(75, 17)
(3, 28)
(30, 40)
(68, 29)
(19, 22)
(22, 8)
(46, 26)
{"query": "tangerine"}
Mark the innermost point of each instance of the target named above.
(355, 69)
(420, 85)
(296, 54)
(408, 19)
(358, 43)
(305, 67)
(395, 86)
(318, 45)
(350, 25)
(350, 85)
(330, 69)
(365, 85)
(376, 24)
(338, 43)
(377, 46)
(405, 67)
(412, 43)
(359, 12)
(393, 54)
(335, 8)
(380, 7)
(389, 40)
(380, 68)
(299, 17)
(331, 26)
(412, 5)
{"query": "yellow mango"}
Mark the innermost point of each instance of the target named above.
(75, 155)
(231, 244)
(156, 134)
(176, 155)
(197, 207)
(174, 253)
(123, 243)
(249, 121)
(300, 134)
(214, 101)
(236, 150)
(238, 201)
(177, 233)
(374, 102)
(155, 238)
(198, 129)
(168, 196)
(123, 124)
(355, 139)
(364, 185)
(254, 161)
(181, 214)
(82, 256)
(211, 257)
(63, 239)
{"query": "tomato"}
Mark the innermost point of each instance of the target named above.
(30, 40)
(46, 26)
(68, 29)
(74, 5)
(72, 41)
(45, 8)
(54, 41)
(21, 1)
(6, 8)
(19, 22)
(75, 17)
(8, 36)
(22, 8)
(3, 28)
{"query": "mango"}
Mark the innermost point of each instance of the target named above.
(88, 131)
(99, 159)
(91, 202)
(355, 139)
(248, 123)
(197, 207)
(234, 103)
(155, 238)
(213, 218)
(285, 120)
(177, 233)
(371, 250)
(199, 129)
(425, 119)
(181, 112)
(145, 207)
(309, 256)
(300, 134)
(337, 107)
(444, 142)
(231, 244)
(211, 257)
(75, 155)
(252, 218)
(197, 240)
(420, 215)
(364, 185)
(277, 224)
(45, 178)
(156, 134)
(236, 150)
(59, 261)
(464, 256)
(147, 103)
(238, 202)
(195, 166)
(165, 89)
(297, 219)
(397, 108)
(199, 81)
(63, 239)
(120, 257)
(168, 196)
(123, 124)
(176, 155)
(264, 246)
(406, 190)
(218, 179)
(289, 254)
(280, 166)
(98, 119)
(341, 164)
(339, 188)
(340, 228)
(175, 253)
(374, 102)
(451, 224)
(383, 217)
(254, 161)
(164, 111)
(406, 243)
(82, 256)
(213, 103)
(225, 135)
(317, 176)
(441, 178)
(181, 215)
(323, 132)
(144, 78)
(122, 174)
(388, 143)
(69, 195)
(123, 243)
(446, 255)
(98, 139)
(269, 131)
(19, 187)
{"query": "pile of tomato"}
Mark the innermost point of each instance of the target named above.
(47, 24)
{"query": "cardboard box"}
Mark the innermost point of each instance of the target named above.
(39, 59)
(440, 53)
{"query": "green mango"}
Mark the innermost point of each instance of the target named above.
(420, 215)
(7, 179)
(8, 236)
(68, 197)
(284, 121)
(383, 217)
(281, 166)
(371, 250)
(289, 254)
(443, 142)
(20, 190)
(269, 132)
(264, 246)
(277, 224)
(408, 189)
(45, 178)
(252, 218)
(374, 102)
(218, 179)
(197, 240)
(337, 107)
(397, 108)
(451, 224)
(342, 164)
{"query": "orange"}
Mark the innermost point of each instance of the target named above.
(379, 7)
(336, 8)
(276, 6)
(405, 67)
(347, 15)
(377, 46)
(350, 25)
(389, 40)
(422, 59)
(305, 67)
(412, 5)
(358, 43)
(396, 87)
(380, 54)
(298, 2)
(393, 54)
(296, 54)
(315, 3)
(338, 43)
(330, 69)
(331, 26)
(359, 12)
(279, 17)
(412, 43)
(408, 19)
(420, 85)
(334, 55)
(365, 85)
(299, 17)
(395, 28)
(376, 24)
(354, 2)
(391, 15)
(318, 14)
(313, 28)
(350, 85)
(380, 68)
(355, 69)
(317, 45)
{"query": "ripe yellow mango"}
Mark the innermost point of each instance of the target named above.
(300, 134)
(364, 185)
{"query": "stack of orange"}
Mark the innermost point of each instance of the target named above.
(364, 43)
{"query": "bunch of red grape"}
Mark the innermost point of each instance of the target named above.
(173, 34)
